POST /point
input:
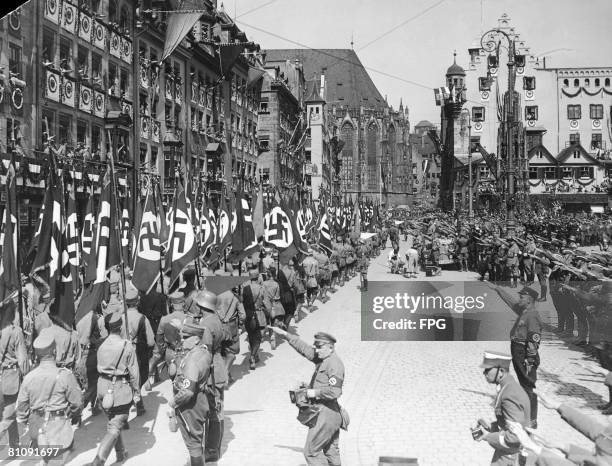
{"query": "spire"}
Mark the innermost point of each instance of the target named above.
(401, 107)
(313, 95)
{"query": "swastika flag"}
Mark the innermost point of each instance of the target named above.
(148, 249)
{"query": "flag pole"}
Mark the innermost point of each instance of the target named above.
(18, 234)
(161, 268)
(117, 228)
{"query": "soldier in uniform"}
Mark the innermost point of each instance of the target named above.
(272, 303)
(463, 251)
(287, 278)
(140, 334)
(13, 366)
(311, 270)
(167, 338)
(67, 347)
(527, 262)
(512, 259)
(252, 300)
(525, 339)
(190, 401)
(324, 277)
(153, 306)
(231, 313)
(216, 337)
(91, 332)
(322, 441)
(48, 399)
(362, 263)
(118, 387)
(511, 405)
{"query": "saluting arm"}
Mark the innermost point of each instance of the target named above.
(301, 346)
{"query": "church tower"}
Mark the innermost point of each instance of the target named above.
(454, 131)
(316, 158)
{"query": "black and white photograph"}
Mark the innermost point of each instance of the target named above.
(306, 233)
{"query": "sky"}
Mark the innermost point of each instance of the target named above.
(407, 45)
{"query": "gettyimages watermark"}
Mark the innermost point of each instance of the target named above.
(434, 311)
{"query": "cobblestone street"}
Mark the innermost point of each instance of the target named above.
(406, 399)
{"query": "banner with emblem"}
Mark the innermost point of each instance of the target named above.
(73, 243)
(324, 233)
(244, 242)
(208, 230)
(224, 226)
(87, 233)
(69, 17)
(148, 249)
(85, 27)
(182, 248)
(278, 231)
(99, 35)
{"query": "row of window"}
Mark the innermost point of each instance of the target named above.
(550, 173)
(574, 112)
(587, 82)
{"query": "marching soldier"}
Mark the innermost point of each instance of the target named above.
(231, 313)
(118, 387)
(463, 251)
(215, 338)
(67, 347)
(255, 320)
(13, 366)
(48, 399)
(190, 401)
(511, 405)
(525, 339)
(140, 334)
(272, 303)
(512, 259)
(311, 269)
(167, 338)
(91, 332)
(322, 442)
(362, 263)
(324, 277)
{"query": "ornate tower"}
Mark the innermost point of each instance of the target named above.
(454, 134)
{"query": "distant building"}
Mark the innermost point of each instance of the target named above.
(374, 159)
(426, 163)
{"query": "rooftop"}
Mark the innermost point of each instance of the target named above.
(348, 82)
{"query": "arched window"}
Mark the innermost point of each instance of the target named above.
(346, 170)
(371, 142)
(597, 82)
(587, 82)
(576, 83)
(566, 83)
(607, 82)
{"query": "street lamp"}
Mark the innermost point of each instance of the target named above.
(490, 42)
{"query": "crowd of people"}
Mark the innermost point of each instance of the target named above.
(191, 335)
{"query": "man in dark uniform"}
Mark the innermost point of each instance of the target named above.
(190, 401)
(511, 405)
(322, 442)
(118, 369)
(231, 313)
(252, 300)
(525, 339)
(167, 338)
(153, 306)
(216, 337)
(48, 399)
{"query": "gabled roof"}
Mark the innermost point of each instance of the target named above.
(348, 82)
(569, 150)
(313, 95)
(545, 152)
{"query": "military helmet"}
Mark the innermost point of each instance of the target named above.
(207, 300)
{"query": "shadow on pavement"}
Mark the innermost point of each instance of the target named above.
(288, 447)
(571, 389)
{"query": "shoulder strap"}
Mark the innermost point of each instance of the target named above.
(119, 358)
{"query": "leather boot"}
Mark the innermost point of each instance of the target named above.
(196, 461)
(96, 462)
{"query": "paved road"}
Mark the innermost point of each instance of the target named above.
(406, 399)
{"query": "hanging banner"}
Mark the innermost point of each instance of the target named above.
(126, 50)
(99, 104)
(53, 86)
(69, 17)
(68, 92)
(85, 27)
(85, 99)
(115, 44)
(52, 11)
(99, 35)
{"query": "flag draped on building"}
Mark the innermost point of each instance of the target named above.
(324, 232)
(126, 233)
(148, 248)
(258, 214)
(10, 280)
(87, 235)
(180, 23)
(208, 230)
(182, 248)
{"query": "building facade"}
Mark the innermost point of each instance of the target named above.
(374, 158)
(561, 110)
(281, 126)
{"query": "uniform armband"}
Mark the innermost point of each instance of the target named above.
(534, 337)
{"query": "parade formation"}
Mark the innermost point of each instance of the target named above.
(183, 214)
